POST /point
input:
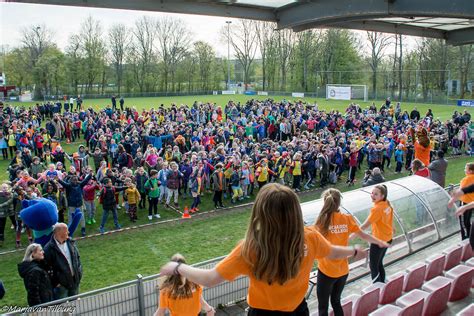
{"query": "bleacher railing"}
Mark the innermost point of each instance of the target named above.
(140, 296)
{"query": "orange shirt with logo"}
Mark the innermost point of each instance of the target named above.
(276, 297)
(465, 182)
(342, 225)
(182, 306)
(381, 218)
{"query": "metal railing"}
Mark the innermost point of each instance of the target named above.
(140, 296)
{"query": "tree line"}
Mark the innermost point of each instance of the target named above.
(159, 55)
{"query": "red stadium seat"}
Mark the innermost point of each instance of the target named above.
(466, 250)
(461, 276)
(415, 277)
(435, 266)
(453, 257)
(390, 291)
(470, 262)
(412, 310)
(468, 311)
(365, 303)
(435, 302)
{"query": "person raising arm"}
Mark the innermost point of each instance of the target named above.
(277, 254)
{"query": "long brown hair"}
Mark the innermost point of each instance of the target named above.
(274, 242)
(383, 189)
(178, 286)
(332, 202)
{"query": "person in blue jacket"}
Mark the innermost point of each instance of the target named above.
(74, 196)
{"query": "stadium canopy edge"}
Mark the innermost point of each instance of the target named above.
(450, 20)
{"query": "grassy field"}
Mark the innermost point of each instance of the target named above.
(115, 258)
(442, 111)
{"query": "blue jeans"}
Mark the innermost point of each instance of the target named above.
(105, 214)
(62, 292)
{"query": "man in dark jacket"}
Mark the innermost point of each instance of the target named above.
(438, 168)
(74, 196)
(415, 115)
(64, 261)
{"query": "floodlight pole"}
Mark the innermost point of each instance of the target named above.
(228, 54)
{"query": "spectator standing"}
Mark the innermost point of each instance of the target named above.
(438, 168)
(152, 185)
(62, 257)
(172, 183)
(33, 271)
(109, 203)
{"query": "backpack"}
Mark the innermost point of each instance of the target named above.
(129, 161)
(102, 194)
(332, 177)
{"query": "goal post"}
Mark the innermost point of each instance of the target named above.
(346, 92)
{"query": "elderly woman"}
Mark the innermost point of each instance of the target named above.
(33, 271)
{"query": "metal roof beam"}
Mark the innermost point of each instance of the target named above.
(460, 37)
(324, 12)
(213, 8)
(385, 27)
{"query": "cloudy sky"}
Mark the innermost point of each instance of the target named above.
(64, 21)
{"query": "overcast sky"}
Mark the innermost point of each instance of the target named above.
(64, 21)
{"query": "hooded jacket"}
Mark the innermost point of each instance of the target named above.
(37, 282)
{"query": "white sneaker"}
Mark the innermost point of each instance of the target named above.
(157, 216)
(150, 217)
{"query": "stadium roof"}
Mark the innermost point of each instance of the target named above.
(452, 20)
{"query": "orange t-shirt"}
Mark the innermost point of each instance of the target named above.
(342, 225)
(276, 297)
(465, 182)
(422, 153)
(185, 306)
(381, 218)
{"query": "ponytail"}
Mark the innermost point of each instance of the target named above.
(332, 201)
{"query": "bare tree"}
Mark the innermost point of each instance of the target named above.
(466, 58)
(265, 35)
(119, 41)
(377, 43)
(94, 51)
(307, 41)
(286, 41)
(141, 52)
(36, 39)
(243, 39)
(174, 40)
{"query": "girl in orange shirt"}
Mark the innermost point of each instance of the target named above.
(332, 274)
(381, 220)
(277, 255)
(181, 296)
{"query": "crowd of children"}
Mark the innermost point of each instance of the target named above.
(162, 155)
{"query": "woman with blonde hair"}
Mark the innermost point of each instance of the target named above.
(332, 273)
(180, 296)
(277, 255)
(381, 220)
(33, 271)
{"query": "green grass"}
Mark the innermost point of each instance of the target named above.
(442, 111)
(115, 258)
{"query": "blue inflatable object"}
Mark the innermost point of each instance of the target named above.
(41, 215)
